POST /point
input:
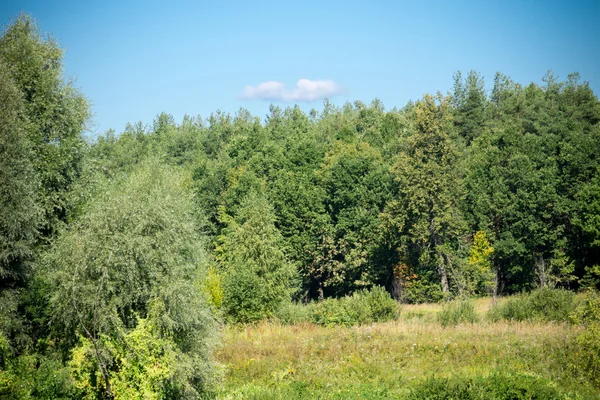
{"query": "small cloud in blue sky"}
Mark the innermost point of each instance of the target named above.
(305, 90)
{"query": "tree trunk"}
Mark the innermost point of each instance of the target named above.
(441, 265)
(443, 274)
(320, 291)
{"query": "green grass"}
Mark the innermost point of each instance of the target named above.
(395, 359)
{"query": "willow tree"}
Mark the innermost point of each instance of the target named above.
(133, 265)
(20, 213)
(55, 111)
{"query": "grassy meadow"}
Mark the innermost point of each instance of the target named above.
(396, 359)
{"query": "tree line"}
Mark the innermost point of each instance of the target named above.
(120, 256)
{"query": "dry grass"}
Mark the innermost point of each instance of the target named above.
(381, 360)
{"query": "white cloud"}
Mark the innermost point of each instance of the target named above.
(305, 90)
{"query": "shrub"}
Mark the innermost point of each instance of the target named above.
(587, 356)
(493, 387)
(348, 311)
(290, 313)
(539, 305)
(456, 312)
(362, 307)
(422, 291)
(33, 376)
(381, 305)
(212, 286)
(588, 309)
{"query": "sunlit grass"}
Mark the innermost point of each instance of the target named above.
(382, 360)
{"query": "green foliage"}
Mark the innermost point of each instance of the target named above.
(479, 274)
(34, 376)
(136, 244)
(362, 307)
(457, 312)
(470, 102)
(101, 255)
(54, 112)
(257, 277)
(293, 313)
(358, 190)
(356, 183)
(588, 309)
(494, 387)
(427, 214)
(213, 288)
(423, 291)
(148, 365)
(586, 357)
(539, 305)
(21, 213)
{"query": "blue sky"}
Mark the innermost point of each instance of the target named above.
(135, 59)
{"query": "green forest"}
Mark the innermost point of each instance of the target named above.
(129, 260)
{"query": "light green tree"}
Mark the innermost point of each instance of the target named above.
(135, 253)
(20, 214)
(55, 111)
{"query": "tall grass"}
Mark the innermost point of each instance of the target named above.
(387, 360)
(456, 312)
(497, 386)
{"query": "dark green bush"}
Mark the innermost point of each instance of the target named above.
(539, 305)
(493, 387)
(456, 312)
(422, 291)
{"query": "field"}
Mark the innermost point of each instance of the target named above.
(390, 360)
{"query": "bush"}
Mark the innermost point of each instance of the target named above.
(539, 305)
(456, 312)
(348, 311)
(290, 313)
(493, 387)
(382, 306)
(363, 307)
(588, 309)
(422, 291)
(587, 356)
(212, 287)
(33, 376)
